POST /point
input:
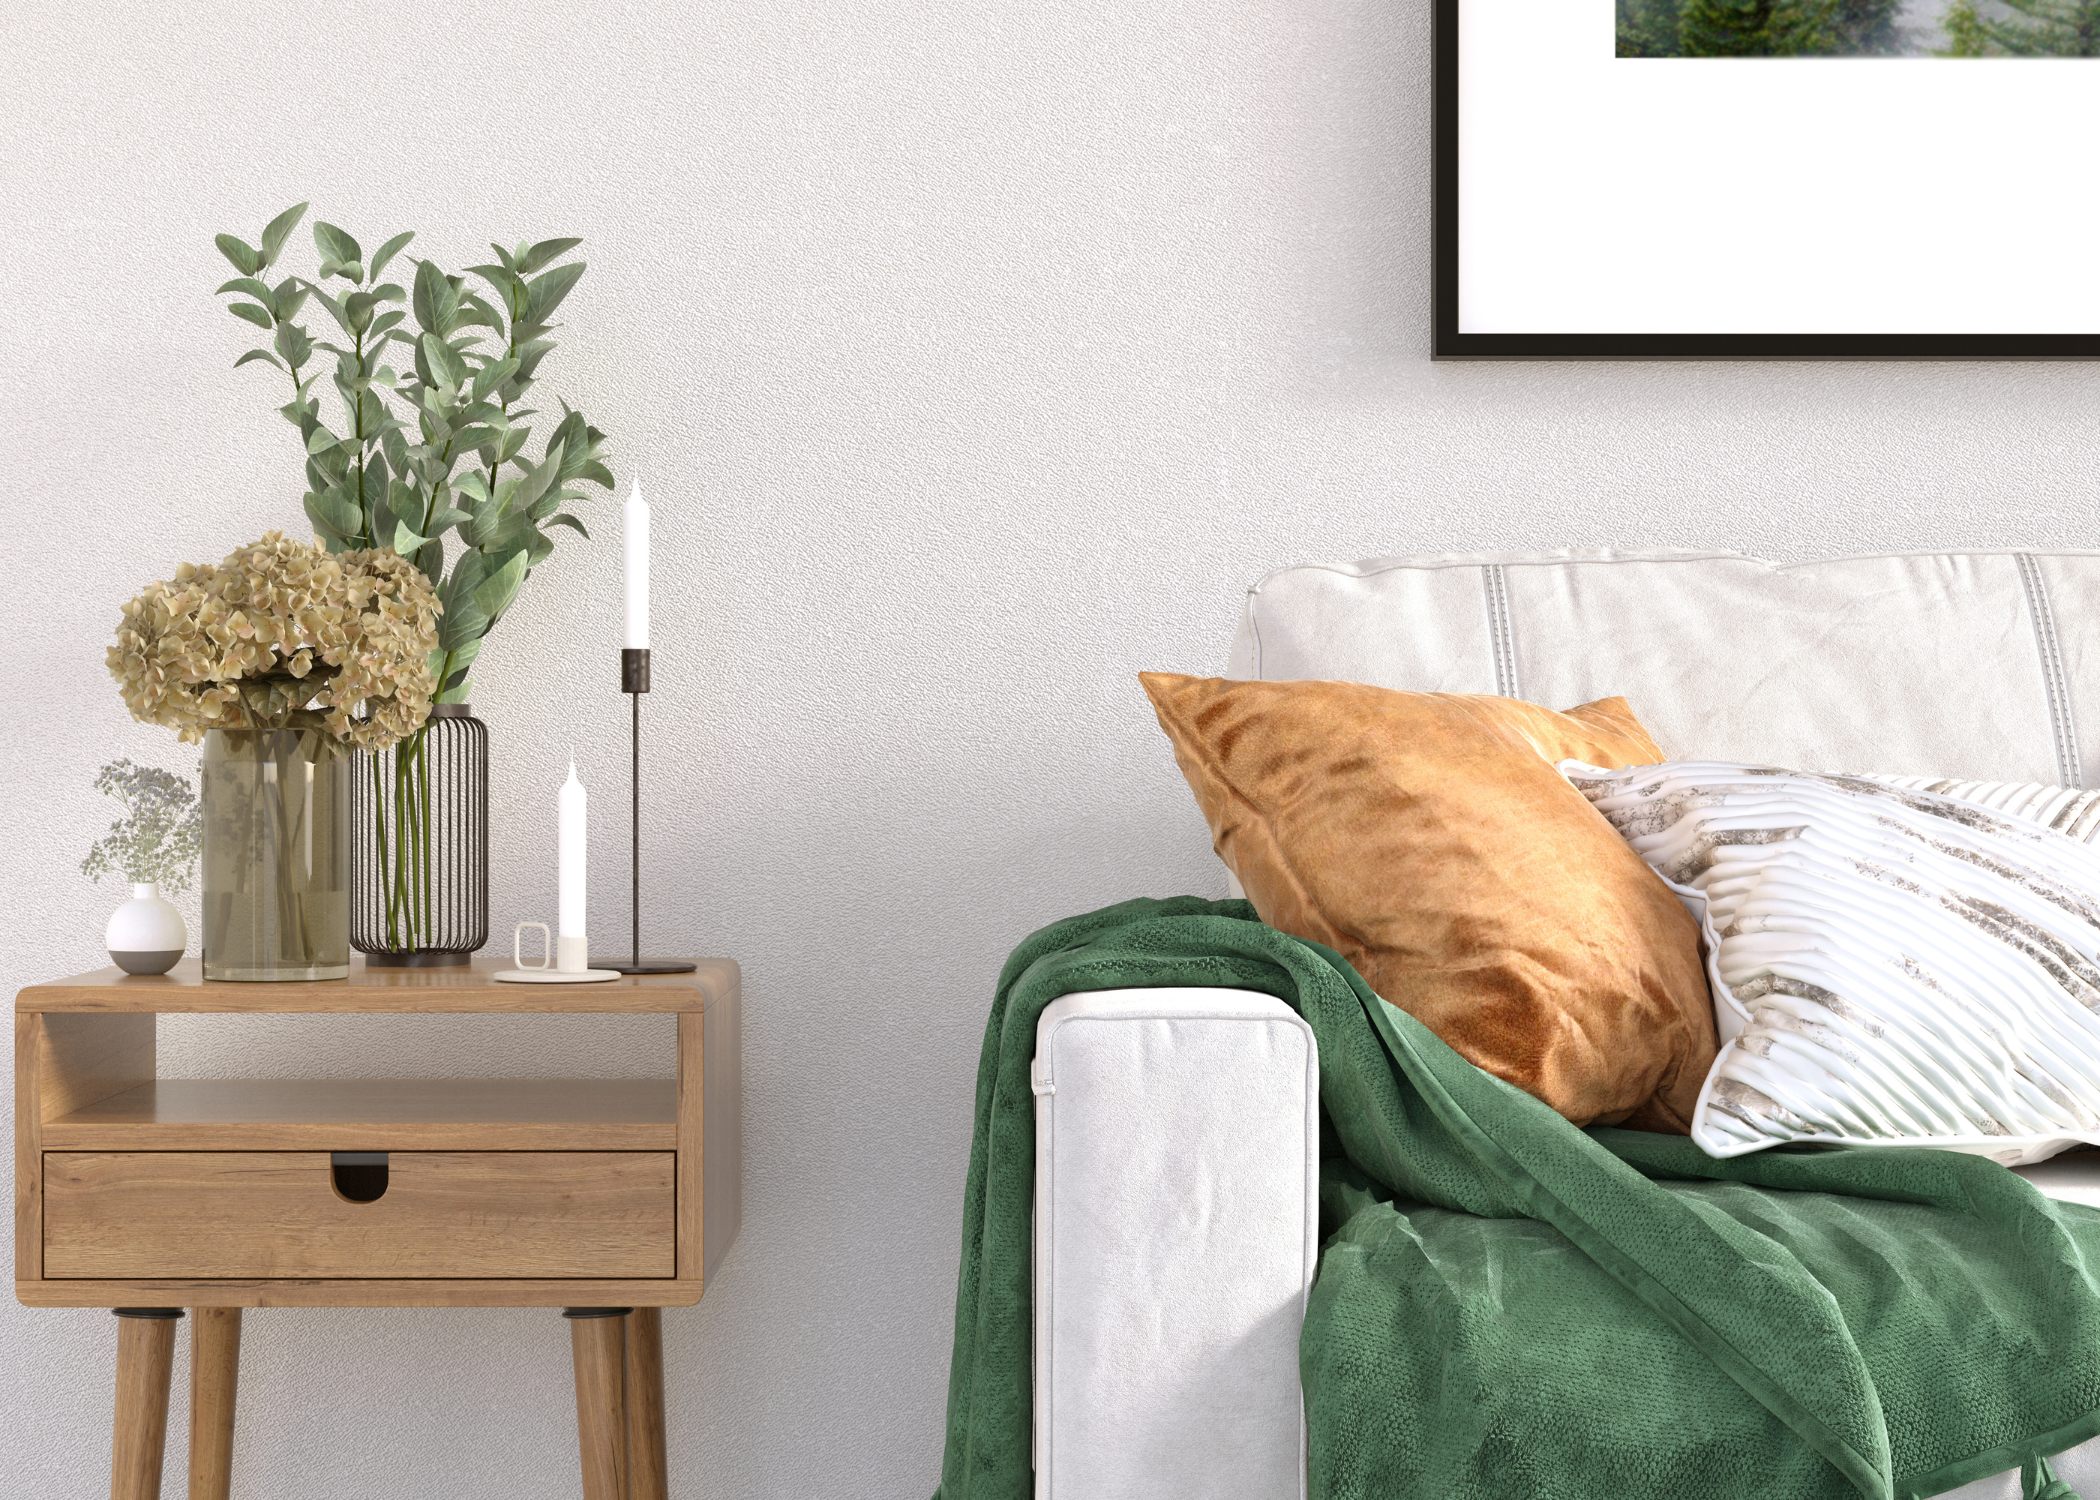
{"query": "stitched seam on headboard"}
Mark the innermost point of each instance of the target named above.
(1502, 635)
(2056, 683)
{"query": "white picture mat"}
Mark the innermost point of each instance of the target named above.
(1600, 194)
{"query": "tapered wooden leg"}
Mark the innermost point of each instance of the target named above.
(145, 1364)
(215, 1366)
(599, 1337)
(648, 1472)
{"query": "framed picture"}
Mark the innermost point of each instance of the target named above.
(1778, 178)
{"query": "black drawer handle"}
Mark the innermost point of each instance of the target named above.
(360, 1176)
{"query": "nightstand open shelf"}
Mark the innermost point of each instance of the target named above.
(150, 1194)
(394, 1114)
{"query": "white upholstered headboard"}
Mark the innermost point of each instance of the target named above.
(1968, 664)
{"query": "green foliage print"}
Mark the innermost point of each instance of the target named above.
(1759, 28)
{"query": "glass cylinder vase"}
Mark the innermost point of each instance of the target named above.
(420, 841)
(276, 888)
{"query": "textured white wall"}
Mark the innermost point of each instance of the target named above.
(976, 356)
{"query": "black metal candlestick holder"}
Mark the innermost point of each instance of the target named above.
(634, 681)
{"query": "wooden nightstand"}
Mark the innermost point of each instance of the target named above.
(611, 1199)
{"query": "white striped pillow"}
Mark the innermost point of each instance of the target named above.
(1891, 964)
(2069, 811)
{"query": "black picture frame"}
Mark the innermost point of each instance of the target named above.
(1449, 342)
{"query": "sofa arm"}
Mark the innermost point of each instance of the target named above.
(1176, 1227)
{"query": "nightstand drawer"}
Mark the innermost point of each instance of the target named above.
(225, 1215)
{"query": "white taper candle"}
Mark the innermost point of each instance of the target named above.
(636, 516)
(569, 912)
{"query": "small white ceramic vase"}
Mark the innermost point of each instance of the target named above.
(146, 934)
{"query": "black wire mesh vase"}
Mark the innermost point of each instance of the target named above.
(419, 840)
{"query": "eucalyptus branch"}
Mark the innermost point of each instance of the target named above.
(391, 479)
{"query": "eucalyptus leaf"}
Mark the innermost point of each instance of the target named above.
(377, 502)
(539, 478)
(544, 253)
(495, 593)
(508, 284)
(405, 541)
(473, 566)
(263, 354)
(435, 300)
(495, 530)
(289, 297)
(331, 539)
(334, 244)
(565, 519)
(475, 311)
(431, 559)
(489, 376)
(385, 321)
(387, 252)
(530, 353)
(334, 306)
(246, 259)
(440, 521)
(293, 344)
(249, 286)
(320, 440)
(331, 512)
(259, 316)
(547, 291)
(445, 364)
(357, 307)
(462, 622)
(278, 230)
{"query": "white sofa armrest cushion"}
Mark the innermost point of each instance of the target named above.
(1176, 1234)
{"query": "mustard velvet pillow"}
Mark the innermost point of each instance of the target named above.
(1429, 840)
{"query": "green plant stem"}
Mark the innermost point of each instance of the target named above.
(379, 816)
(423, 834)
(357, 416)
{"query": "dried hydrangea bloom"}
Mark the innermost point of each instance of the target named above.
(283, 635)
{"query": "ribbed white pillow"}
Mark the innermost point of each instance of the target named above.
(1891, 965)
(2070, 812)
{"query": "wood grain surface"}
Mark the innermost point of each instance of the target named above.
(600, 1350)
(648, 1467)
(88, 1058)
(243, 1214)
(431, 1292)
(692, 1142)
(215, 1369)
(391, 1114)
(138, 1442)
(29, 1148)
(466, 989)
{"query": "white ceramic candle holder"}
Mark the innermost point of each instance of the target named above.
(567, 960)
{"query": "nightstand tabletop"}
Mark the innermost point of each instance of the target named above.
(469, 988)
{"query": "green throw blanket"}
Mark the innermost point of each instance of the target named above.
(1510, 1307)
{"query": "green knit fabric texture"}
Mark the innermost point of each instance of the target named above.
(1510, 1308)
